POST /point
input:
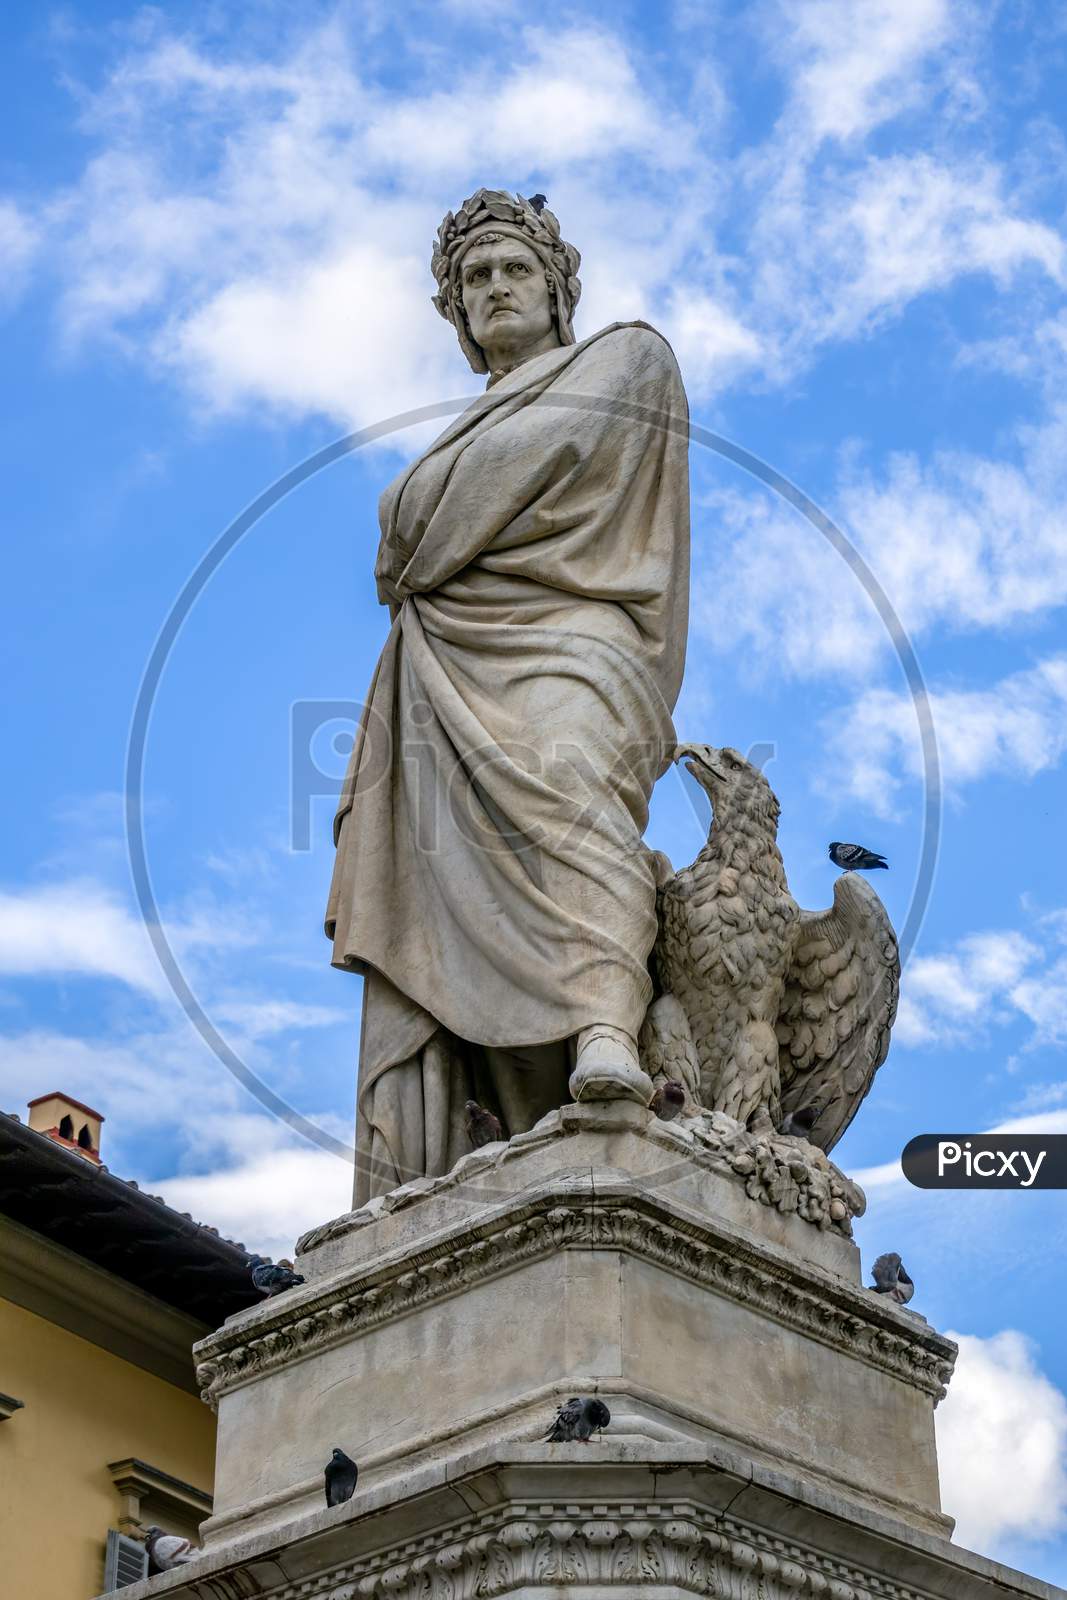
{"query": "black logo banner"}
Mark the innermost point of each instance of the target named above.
(986, 1161)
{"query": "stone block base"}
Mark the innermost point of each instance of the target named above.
(771, 1433)
(603, 1252)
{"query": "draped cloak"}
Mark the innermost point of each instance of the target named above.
(491, 883)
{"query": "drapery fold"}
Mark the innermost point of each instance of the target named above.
(491, 882)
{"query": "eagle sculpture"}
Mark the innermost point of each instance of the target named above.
(763, 1010)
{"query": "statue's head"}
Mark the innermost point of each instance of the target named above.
(504, 275)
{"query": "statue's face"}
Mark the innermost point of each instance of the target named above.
(507, 300)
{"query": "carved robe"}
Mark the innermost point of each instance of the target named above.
(491, 883)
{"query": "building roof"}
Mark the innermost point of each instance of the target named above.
(115, 1225)
(58, 1094)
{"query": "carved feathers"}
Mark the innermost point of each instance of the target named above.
(838, 1006)
(784, 1009)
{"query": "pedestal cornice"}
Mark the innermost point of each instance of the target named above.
(596, 1525)
(603, 1212)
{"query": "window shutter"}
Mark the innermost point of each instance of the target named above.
(126, 1561)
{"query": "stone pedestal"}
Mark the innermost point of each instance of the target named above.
(772, 1420)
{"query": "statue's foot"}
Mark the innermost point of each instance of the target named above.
(608, 1068)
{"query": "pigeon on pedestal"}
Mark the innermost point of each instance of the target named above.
(340, 1474)
(272, 1278)
(798, 1124)
(579, 1418)
(890, 1278)
(668, 1101)
(482, 1127)
(168, 1551)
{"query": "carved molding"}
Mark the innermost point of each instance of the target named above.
(628, 1547)
(850, 1320)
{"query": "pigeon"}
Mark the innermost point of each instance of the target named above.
(854, 858)
(482, 1126)
(270, 1278)
(668, 1101)
(538, 202)
(168, 1551)
(890, 1278)
(798, 1124)
(578, 1419)
(340, 1473)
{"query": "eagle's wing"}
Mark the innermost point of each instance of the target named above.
(838, 1007)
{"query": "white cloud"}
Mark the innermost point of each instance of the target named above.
(76, 928)
(288, 267)
(854, 63)
(709, 341)
(771, 593)
(967, 539)
(1036, 1122)
(987, 980)
(962, 541)
(911, 224)
(258, 1019)
(309, 342)
(162, 1084)
(1002, 1444)
(19, 239)
(258, 225)
(1017, 727)
(268, 1200)
(947, 997)
(163, 1093)
(1038, 351)
(1042, 997)
(837, 249)
(565, 98)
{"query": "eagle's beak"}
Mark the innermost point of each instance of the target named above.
(705, 755)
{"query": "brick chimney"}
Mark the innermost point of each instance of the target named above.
(68, 1122)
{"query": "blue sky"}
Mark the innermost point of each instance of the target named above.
(849, 218)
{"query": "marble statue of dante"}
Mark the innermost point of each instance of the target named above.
(491, 883)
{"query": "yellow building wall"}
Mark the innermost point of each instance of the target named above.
(84, 1407)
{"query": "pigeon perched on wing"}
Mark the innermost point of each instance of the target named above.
(668, 1101)
(482, 1127)
(272, 1278)
(168, 1551)
(539, 202)
(798, 1124)
(854, 858)
(340, 1474)
(578, 1418)
(890, 1278)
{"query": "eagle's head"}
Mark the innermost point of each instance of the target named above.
(738, 791)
